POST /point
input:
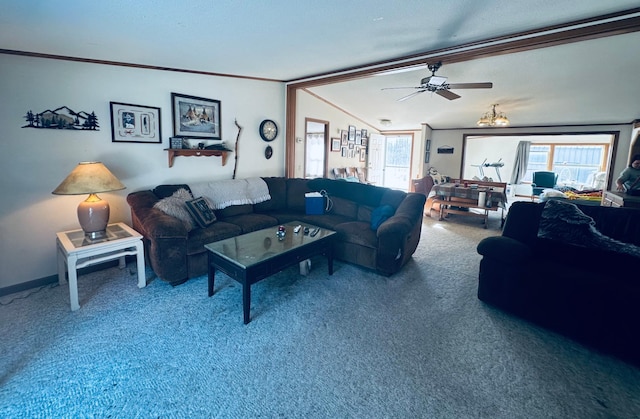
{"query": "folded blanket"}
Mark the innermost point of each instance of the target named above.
(565, 222)
(224, 193)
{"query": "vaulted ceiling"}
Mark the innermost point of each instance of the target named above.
(591, 81)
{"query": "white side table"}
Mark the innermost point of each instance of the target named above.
(76, 251)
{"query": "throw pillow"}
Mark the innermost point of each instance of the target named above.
(174, 206)
(380, 215)
(201, 212)
(564, 222)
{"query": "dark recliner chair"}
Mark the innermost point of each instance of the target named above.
(542, 181)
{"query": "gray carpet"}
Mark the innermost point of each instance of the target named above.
(353, 345)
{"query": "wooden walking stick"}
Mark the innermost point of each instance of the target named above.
(235, 165)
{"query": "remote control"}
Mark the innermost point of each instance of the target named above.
(313, 232)
(297, 229)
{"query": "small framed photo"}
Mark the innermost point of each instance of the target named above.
(344, 137)
(364, 142)
(135, 123)
(196, 117)
(352, 133)
(335, 144)
(344, 151)
(358, 138)
(351, 146)
(176, 142)
(364, 134)
(363, 154)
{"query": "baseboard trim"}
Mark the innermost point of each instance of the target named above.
(24, 286)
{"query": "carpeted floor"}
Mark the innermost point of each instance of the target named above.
(351, 345)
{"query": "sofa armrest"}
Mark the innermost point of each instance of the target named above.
(151, 222)
(165, 237)
(505, 248)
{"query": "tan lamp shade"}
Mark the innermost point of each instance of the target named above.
(91, 178)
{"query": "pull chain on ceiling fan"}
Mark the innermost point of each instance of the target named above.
(439, 85)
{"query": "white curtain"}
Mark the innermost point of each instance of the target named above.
(520, 162)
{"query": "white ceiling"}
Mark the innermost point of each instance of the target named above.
(584, 82)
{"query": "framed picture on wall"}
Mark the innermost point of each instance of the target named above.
(344, 151)
(196, 117)
(335, 144)
(344, 136)
(364, 134)
(352, 133)
(135, 123)
(363, 154)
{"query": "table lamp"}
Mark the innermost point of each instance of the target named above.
(91, 178)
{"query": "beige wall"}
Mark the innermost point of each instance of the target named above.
(34, 161)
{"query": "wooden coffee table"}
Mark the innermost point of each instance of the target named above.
(251, 257)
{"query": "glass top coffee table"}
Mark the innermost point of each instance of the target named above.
(251, 257)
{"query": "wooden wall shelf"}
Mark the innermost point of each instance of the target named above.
(173, 152)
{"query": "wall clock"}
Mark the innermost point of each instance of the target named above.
(268, 130)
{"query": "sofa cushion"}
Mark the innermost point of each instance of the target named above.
(356, 232)
(296, 188)
(364, 213)
(252, 222)
(163, 191)
(278, 191)
(175, 206)
(360, 193)
(234, 210)
(326, 220)
(344, 207)
(392, 197)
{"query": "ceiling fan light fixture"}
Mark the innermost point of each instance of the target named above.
(385, 122)
(493, 119)
(437, 80)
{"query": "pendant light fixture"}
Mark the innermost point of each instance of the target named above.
(493, 118)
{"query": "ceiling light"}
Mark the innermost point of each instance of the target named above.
(493, 118)
(385, 122)
(437, 80)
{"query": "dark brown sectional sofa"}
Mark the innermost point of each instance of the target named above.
(176, 254)
(579, 282)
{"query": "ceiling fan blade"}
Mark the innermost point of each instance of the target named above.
(391, 88)
(410, 96)
(447, 94)
(487, 85)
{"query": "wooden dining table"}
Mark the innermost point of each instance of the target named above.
(456, 198)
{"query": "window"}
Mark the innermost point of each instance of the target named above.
(575, 164)
(397, 163)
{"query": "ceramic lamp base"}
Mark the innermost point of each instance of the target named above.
(93, 215)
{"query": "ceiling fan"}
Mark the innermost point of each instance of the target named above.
(439, 85)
